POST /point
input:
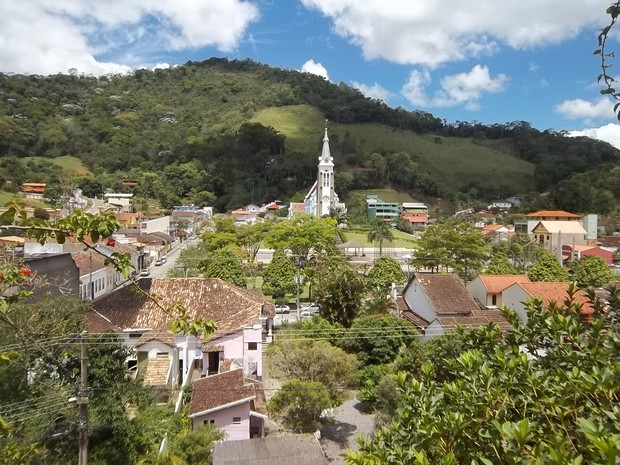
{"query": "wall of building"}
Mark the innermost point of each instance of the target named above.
(224, 420)
(161, 224)
(513, 297)
(417, 301)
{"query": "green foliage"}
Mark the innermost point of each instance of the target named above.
(377, 340)
(546, 392)
(452, 244)
(384, 272)
(339, 291)
(370, 377)
(547, 268)
(379, 301)
(380, 231)
(592, 272)
(279, 276)
(500, 265)
(299, 404)
(313, 360)
(193, 447)
(225, 265)
(302, 235)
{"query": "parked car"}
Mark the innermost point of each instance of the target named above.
(312, 307)
(305, 314)
(164, 259)
(145, 272)
(283, 309)
(159, 262)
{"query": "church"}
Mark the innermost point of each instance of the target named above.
(322, 198)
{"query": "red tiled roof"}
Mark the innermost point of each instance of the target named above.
(552, 213)
(219, 390)
(446, 293)
(88, 262)
(494, 284)
(550, 292)
(474, 319)
(229, 306)
(414, 318)
(609, 241)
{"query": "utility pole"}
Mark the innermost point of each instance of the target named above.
(82, 401)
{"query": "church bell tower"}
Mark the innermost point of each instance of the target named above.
(325, 181)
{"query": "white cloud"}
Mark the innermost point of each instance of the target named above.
(312, 67)
(584, 109)
(609, 133)
(374, 91)
(48, 37)
(431, 32)
(457, 89)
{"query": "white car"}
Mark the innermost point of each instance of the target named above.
(312, 308)
(283, 309)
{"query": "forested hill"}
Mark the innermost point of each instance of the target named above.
(232, 132)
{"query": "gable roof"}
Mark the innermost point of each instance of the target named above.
(273, 450)
(565, 227)
(218, 391)
(555, 292)
(229, 306)
(297, 207)
(446, 293)
(609, 241)
(159, 335)
(552, 213)
(494, 284)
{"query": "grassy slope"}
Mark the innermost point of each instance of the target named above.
(70, 165)
(453, 162)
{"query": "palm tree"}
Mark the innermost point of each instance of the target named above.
(380, 231)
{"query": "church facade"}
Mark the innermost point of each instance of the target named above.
(322, 198)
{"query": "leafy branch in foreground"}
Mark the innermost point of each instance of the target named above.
(87, 229)
(608, 81)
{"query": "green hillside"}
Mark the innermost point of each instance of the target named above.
(225, 133)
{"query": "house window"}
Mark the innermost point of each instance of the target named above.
(236, 420)
(209, 422)
(494, 299)
(252, 345)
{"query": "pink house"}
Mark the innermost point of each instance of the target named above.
(240, 316)
(578, 252)
(230, 402)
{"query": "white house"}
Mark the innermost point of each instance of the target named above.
(487, 289)
(119, 201)
(439, 303)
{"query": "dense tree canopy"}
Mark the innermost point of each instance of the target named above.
(546, 392)
(547, 268)
(385, 272)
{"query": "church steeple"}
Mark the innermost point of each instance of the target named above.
(326, 156)
(326, 196)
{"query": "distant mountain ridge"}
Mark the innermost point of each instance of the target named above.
(232, 132)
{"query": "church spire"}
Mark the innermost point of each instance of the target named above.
(326, 156)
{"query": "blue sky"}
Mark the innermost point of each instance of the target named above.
(476, 60)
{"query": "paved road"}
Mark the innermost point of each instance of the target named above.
(350, 421)
(162, 271)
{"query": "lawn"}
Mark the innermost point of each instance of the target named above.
(401, 239)
(10, 197)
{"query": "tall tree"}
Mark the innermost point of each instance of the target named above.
(279, 278)
(299, 405)
(592, 272)
(339, 291)
(500, 265)
(225, 265)
(385, 272)
(547, 268)
(303, 235)
(380, 231)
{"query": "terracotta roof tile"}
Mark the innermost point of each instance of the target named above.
(219, 390)
(495, 284)
(414, 318)
(446, 293)
(88, 262)
(229, 306)
(474, 319)
(555, 292)
(552, 213)
(298, 207)
(160, 335)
